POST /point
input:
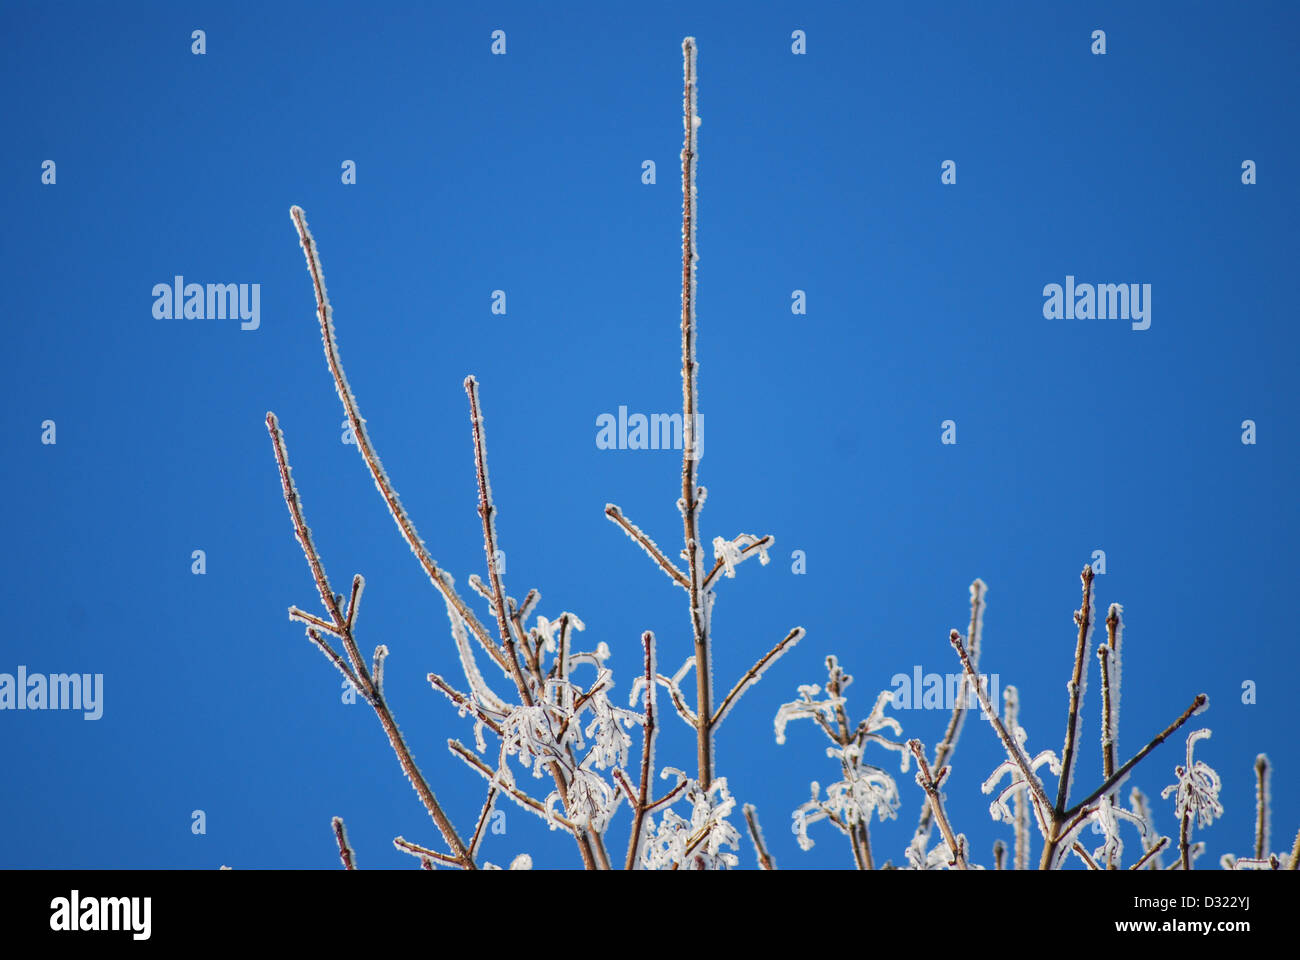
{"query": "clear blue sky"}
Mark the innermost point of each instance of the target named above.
(523, 173)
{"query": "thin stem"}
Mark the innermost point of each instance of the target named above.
(1084, 620)
(1184, 840)
(751, 676)
(1261, 807)
(346, 853)
(648, 545)
(765, 861)
(859, 834)
(1012, 698)
(524, 799)
(690, 502)
(642, 798)
(1133, 761)
(1083, 855)
(324, 314)
(1013, 749)
(1151, 852)
(762, 543)
(931, 788)
(1109, 654)
(943, 753)
(483, 816)
(415, 849)
(368, 688)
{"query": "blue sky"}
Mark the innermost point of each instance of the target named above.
(522, 173)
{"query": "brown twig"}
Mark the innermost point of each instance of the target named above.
(755, 672)
(1261, 806)
(648, 545)
(765, 861)
(524, 800)
(1109, 656)
(1009, 744)
(1151, 851)
(1084, 621)
(346, 854)
(324, 313)
(649, 728)
(1011, 697)
(1137, 757)
(691, 499)
(763, 543)
(931, 787)
(370, 690)
(406, 846)
(943, 753)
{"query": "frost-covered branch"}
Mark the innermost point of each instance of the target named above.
(648, 545)
(359, 674)
(325, 314)
(930, 784)
(755, 673)
(345, 849)
(692, 494)
(1078, 681)
(1261, 805)
(765, 861)
(943, 753)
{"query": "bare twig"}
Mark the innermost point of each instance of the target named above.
(762, 543)
(691, 500)
(1011, 697)
(1151, 851)
(1109, 656)
(1084, 621)
(755, 672)
(648, 545)
(641, 800)
(324, 313)
(1009, 744)
(943, 753)
(372, 692)
(406, 846)
(1122, 772)
(931, 787)
(345, 849)
(1083, 855)
(765, 861)
(1261, 806)
(514, 792)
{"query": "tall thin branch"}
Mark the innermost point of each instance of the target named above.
(943, 753)
(1261, 806)
(325, 314)
(691, 500)
(373, 693)
(1084, 621)
(649, 728)
(1011, 698)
